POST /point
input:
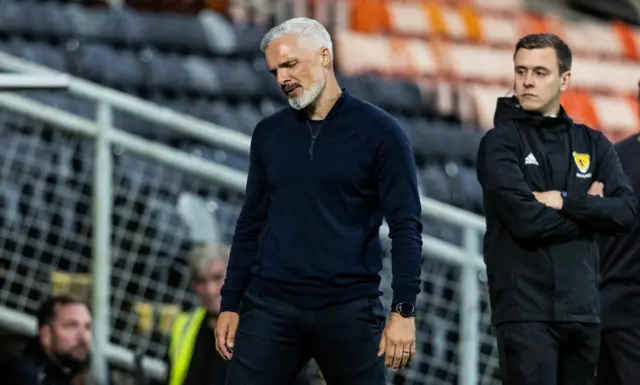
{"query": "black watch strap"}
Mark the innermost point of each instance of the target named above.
(405, 309)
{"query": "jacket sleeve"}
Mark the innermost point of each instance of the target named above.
(509, 197)
(616, 212)
(252, 217)
(398, 188)
(18, 371)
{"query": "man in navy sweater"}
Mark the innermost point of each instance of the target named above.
(303, 276)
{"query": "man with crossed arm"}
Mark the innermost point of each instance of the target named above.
(549, 186)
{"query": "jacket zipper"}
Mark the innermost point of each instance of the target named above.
(313, 140)
(314, 137)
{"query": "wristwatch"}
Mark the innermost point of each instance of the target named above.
(563, 194)
(405, 309)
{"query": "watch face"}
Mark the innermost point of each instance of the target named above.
(405, 309)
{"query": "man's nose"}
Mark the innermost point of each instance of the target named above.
(86, 338)
(528, 80)
(283, 77)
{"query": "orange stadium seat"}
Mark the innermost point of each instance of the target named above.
(484, 100)
(479, 63)
(468, 23)
(467, 62)
(580, 107)
(598, 38)
(500, 30)
(618, 115)
(358, 53)
(498, 5)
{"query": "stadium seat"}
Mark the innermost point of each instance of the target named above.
(204, 76)
(467, 193)
(165, 72)
(14, 19)
(215, 112)
(237, 79)
(173, 32)
(435, 183)
(395, 96)
(49, 21)
(90, 24)
(246, 117)
(248, 39)
(433, 139)
(51, 56)
(219, 33)
(105, 65)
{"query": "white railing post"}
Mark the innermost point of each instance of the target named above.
(101, 252)
(469, 340)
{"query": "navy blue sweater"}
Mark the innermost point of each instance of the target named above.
(308, 231)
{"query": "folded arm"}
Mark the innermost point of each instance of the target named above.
(510, 197)
(244, 247)
(616, 211)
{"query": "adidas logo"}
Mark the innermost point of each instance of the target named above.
(530, 159)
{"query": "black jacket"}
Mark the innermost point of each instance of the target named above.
(543, 264)
(33, 367)
(620, 256)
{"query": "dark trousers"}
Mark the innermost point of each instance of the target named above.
(548, 353)
(619, 362)
(275, 340)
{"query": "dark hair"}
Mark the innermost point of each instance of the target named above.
(47, 311)
(547, 40)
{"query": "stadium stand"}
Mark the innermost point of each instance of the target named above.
(437, 66)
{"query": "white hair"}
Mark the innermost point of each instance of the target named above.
(201, 256)
(302, 28)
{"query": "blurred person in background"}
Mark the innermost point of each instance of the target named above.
(549, 186)
(61, 352)
(192, 356)
(304, 271)
(620, 287)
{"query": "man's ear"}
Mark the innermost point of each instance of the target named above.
(565, 81)
(44, 335)
(326, 56)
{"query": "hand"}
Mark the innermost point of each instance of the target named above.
(226, 333)
(398, 342)
(596, 189)
(551, 199)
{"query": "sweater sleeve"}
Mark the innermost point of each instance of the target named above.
(398, 189)
(245, 239)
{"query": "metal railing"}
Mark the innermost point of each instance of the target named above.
(101, 130)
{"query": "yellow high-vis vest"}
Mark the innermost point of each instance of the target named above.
(183, 340)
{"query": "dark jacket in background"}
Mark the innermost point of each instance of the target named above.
(543, 264)
(33, 367)
(620, 256)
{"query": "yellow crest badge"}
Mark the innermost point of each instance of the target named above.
(582, 161)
